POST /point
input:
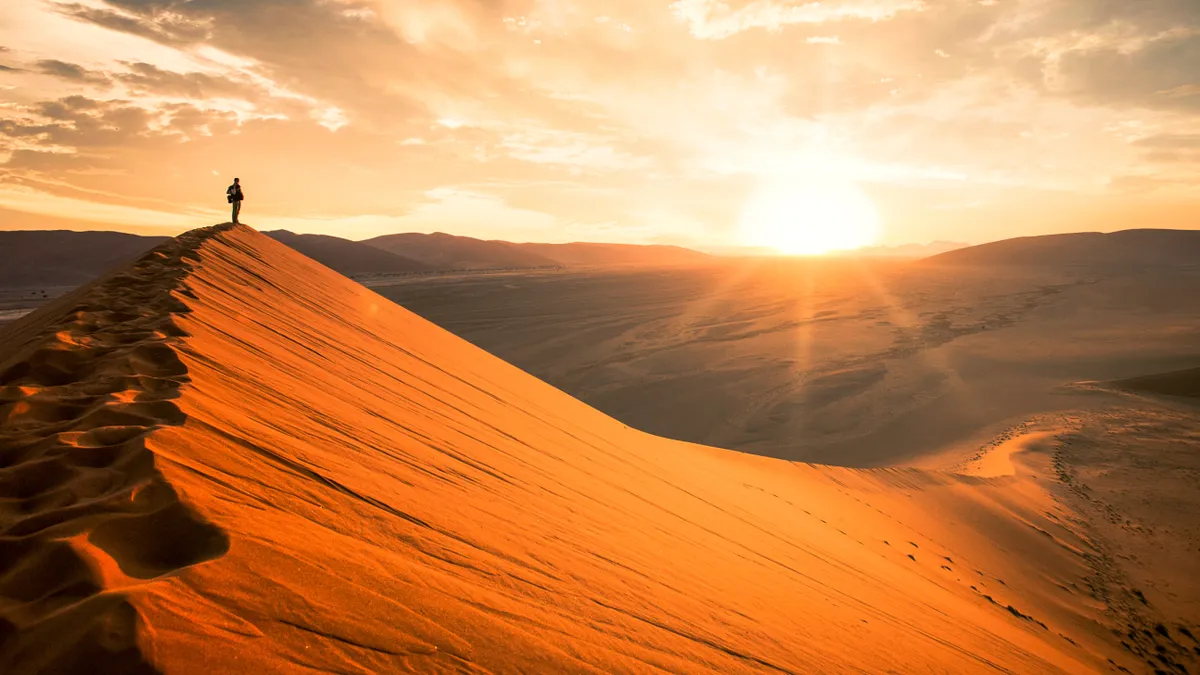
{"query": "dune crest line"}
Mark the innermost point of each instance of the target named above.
(83, 508)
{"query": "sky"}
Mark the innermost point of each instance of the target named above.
(643, 121)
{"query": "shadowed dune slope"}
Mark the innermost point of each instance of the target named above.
(226, 458)
(1174, 383)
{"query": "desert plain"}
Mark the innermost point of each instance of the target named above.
(846, 361)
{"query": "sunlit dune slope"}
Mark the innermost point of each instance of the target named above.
(227, 458)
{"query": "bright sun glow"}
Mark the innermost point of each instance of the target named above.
(807, 216)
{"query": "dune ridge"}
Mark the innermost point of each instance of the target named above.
(228, 459)
(80, 492)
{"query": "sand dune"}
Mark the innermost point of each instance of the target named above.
(1175, 383)
(348, 257)
(1152, 247)
(448, 252)
(228, 459)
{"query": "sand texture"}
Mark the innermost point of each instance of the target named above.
(226, 458)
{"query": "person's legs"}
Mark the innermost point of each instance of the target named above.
(237, 208)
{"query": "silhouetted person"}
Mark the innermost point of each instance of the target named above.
(234, 193)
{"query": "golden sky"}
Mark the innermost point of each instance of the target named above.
(605, 120)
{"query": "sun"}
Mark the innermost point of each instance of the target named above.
(805, 216)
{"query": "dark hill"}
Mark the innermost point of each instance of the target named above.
(1175, 383)
(350, 258)
(31, 258)
(450, 252)
(1167, 248)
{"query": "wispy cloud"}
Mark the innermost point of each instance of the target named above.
(716, 20)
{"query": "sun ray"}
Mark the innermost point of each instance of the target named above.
(903, 317)
(806, 333)
(699, 309)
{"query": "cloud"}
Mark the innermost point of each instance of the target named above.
(149, 79)
(716, 20)
(31, 200)
(610, 117)
(83, 122)
(71, 72)
(579, 152)
(1136, 76)
(4, 68)
(1141, 184)
(155, 19)
(1127, 54)
(1170, 148)
(1170, 141)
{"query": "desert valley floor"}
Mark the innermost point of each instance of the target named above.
(227, 458)
(847, 362)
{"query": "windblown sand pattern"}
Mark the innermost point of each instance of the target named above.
(84, 507)
(227, 458)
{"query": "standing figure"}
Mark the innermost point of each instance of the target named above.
(234, 194)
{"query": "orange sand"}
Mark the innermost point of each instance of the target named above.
(229, 459)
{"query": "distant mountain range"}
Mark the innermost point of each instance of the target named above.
(450, 252)
(912, 250)
(617, 254)
(65, 258)
(33, 258)
(350, 258)
(901, 251)
(1167, 248)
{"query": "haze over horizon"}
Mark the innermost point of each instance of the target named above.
(695, 122)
